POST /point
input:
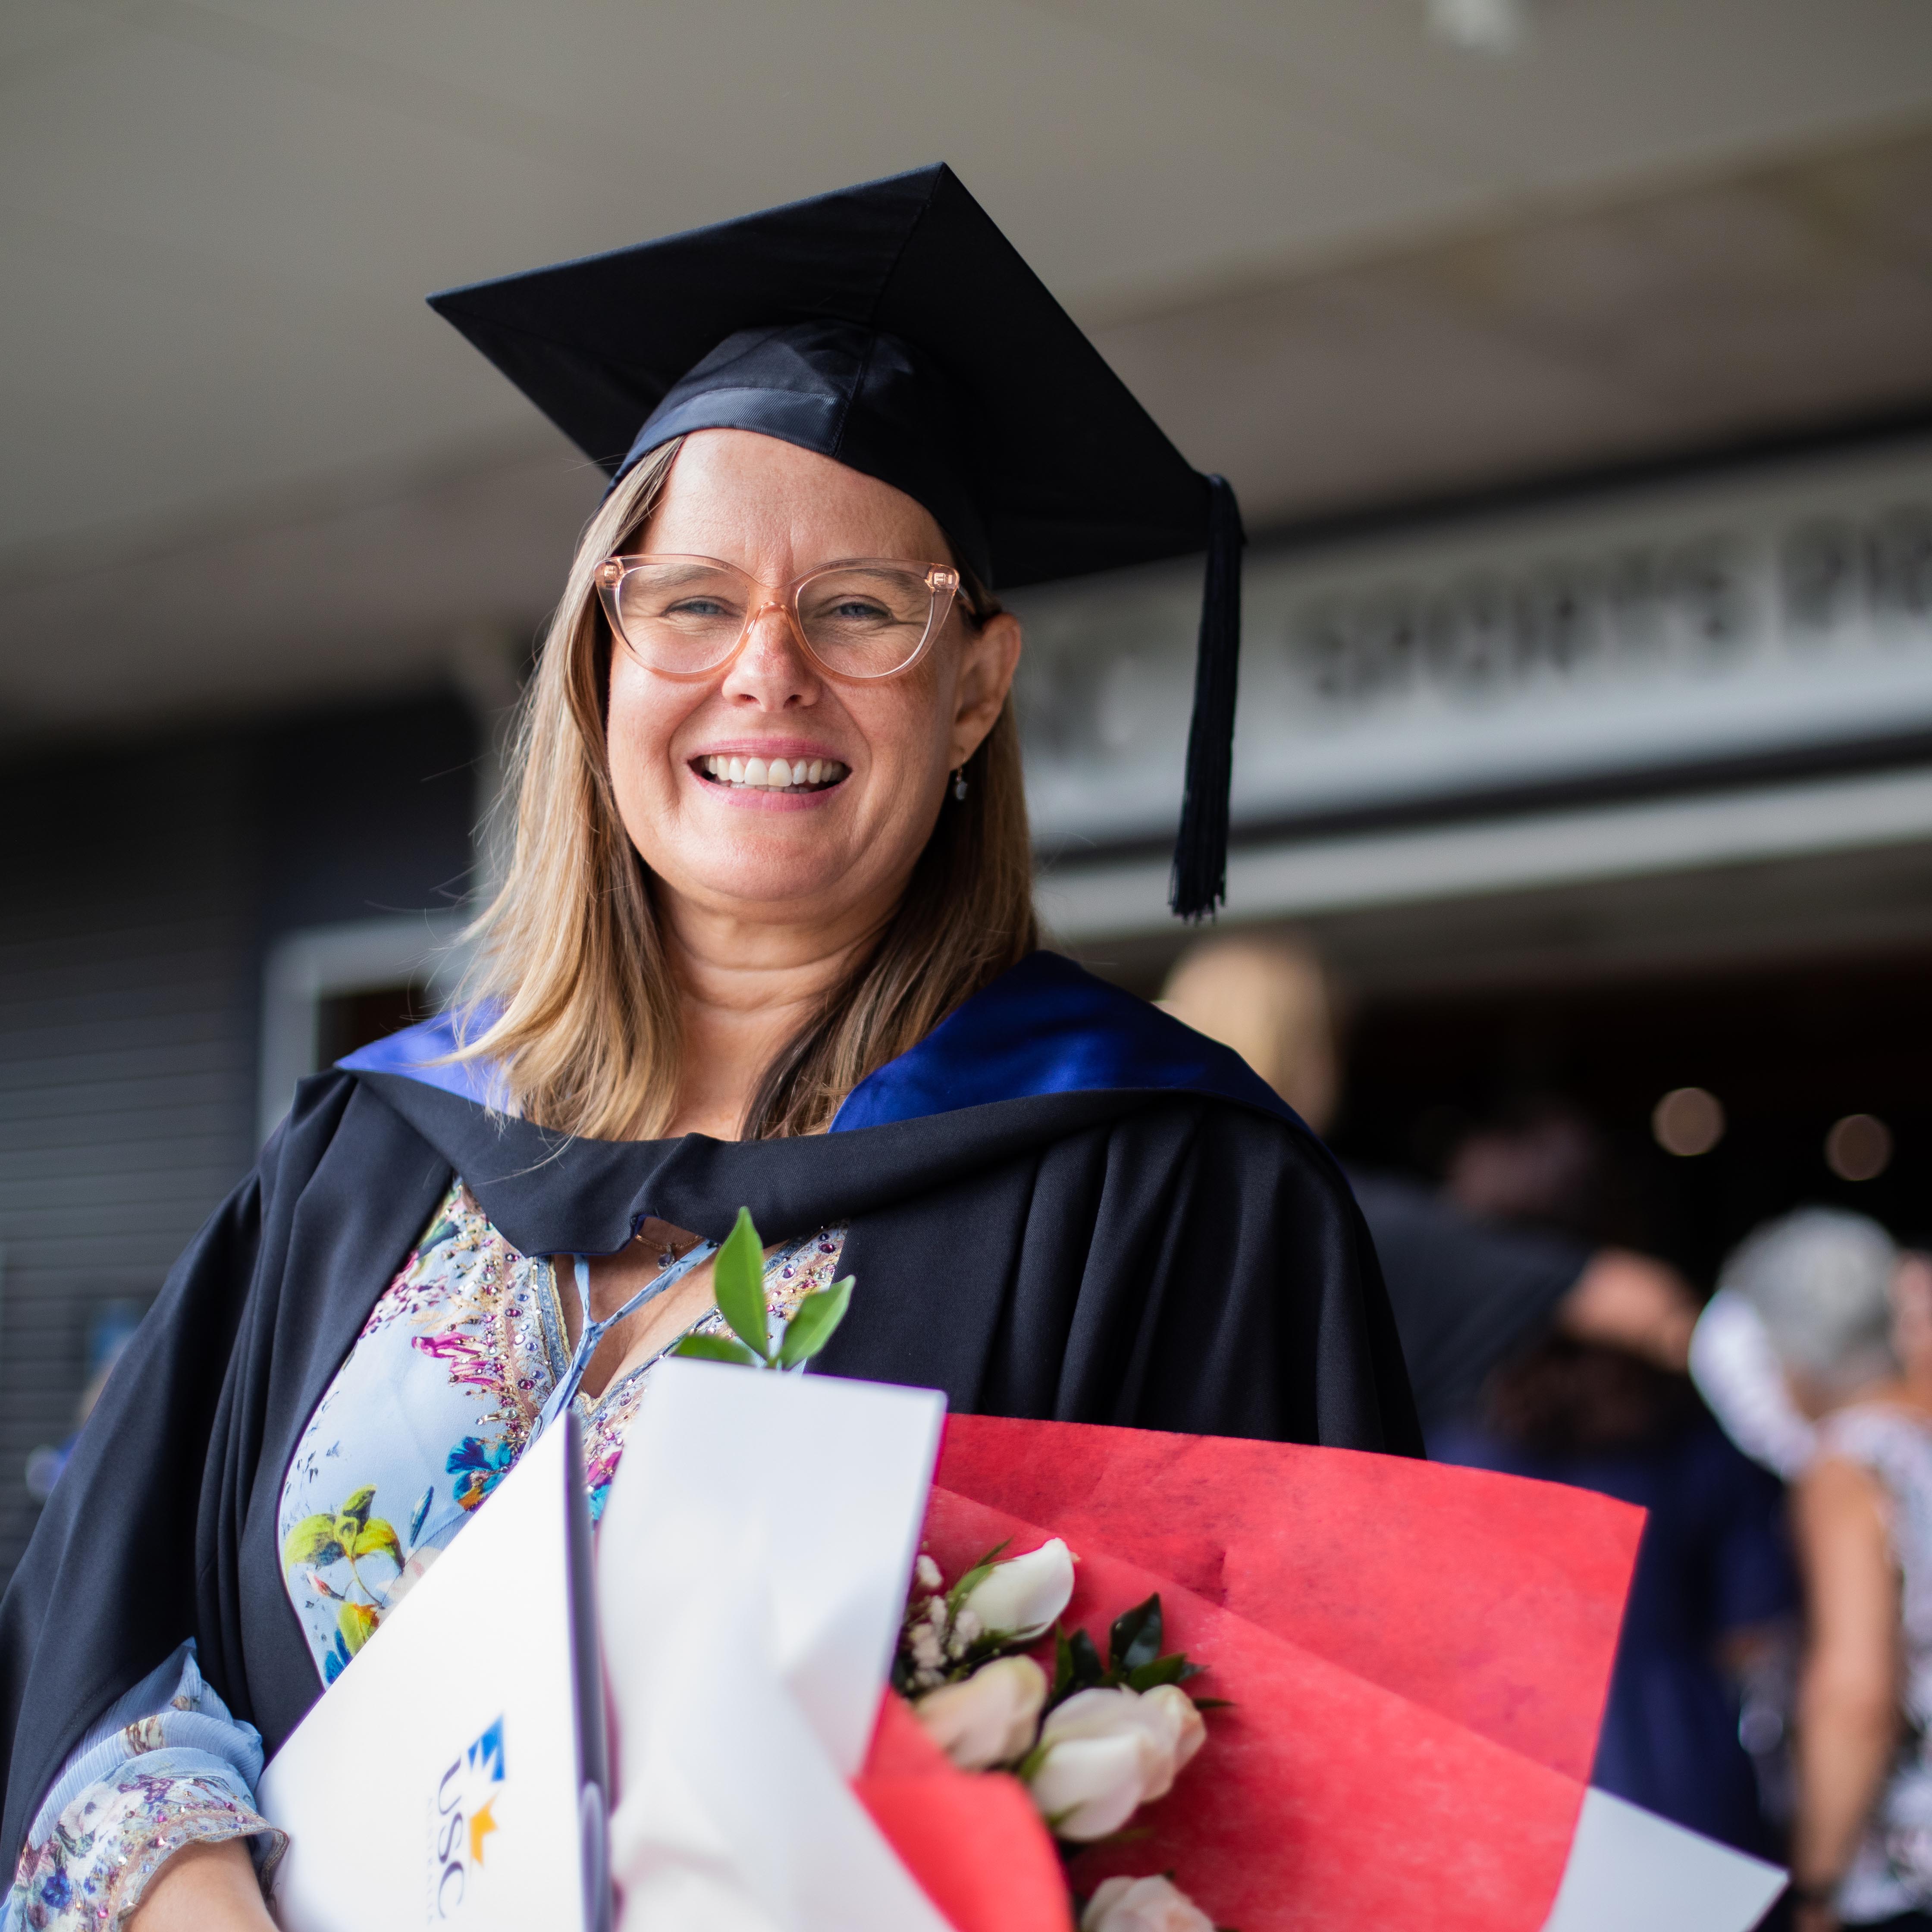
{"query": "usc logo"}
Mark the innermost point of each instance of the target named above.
(465, 1796)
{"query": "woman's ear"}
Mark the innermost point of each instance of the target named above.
(986, 668)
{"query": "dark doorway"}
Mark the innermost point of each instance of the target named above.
(1787, 1052)
(350, 1020)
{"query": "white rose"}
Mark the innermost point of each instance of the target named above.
(1170, 1712)
(1087, 1787)
(1143, 1905)
(1021, 1597)
(988, 1718)
(1107, 1752)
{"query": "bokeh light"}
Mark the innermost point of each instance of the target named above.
(1687, 1121)
(1858, 1148)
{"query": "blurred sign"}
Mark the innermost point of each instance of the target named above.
(1657, 629)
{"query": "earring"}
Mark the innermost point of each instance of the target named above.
(959, 783)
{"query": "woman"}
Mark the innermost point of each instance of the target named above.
(766, 941)
(1826, 1286)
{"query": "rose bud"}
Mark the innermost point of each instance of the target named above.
(1021, 1597)
(988, 1718)
(1107, 1752)
(1172, 1711)
(1143, 1905)
(1087, 1787)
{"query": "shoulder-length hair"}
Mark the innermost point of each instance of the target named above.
(580, 1013)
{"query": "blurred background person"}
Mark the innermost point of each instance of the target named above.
(1466, 1291)
(1537, 1353)
(1710, 1617)
(1848, 1318)
(1714, 1591)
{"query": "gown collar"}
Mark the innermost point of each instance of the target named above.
(1044, 1026)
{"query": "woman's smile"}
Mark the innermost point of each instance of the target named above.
(770, 773)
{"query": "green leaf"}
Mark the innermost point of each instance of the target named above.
(718, 1349)
(312, 1540)
(356, 1511)
(813, 1322)
(1134, 1640)
(974, 1576)
(738, 1281)
(1168, 1669)
(357, 1623)
(1062, 1667)
(1087, 1669)
(377, 1538)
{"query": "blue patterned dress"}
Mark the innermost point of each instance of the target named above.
(433, 1405)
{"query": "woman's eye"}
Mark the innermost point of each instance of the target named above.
(696, 607)
(859, 610)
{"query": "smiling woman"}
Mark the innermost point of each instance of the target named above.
(783, 935)
(765, 942)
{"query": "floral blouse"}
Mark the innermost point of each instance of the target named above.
(434, 1404)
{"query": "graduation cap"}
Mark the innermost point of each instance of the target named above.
(894, 328)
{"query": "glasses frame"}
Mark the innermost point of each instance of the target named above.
(940, 579)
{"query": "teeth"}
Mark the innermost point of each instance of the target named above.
(779, 775)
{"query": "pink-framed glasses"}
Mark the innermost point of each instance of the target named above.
(688, 617)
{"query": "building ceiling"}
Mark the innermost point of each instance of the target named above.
(241, 465)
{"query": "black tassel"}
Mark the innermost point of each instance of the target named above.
(1200, 877)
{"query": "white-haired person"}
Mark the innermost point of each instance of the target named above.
(1826, 1286)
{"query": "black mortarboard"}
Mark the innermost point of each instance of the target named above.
(894, 328)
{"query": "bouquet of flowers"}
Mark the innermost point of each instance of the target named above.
(1092, 1743)
(1408, 1663)
(1405, 1665)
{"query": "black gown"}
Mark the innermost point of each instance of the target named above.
(1062, 1204)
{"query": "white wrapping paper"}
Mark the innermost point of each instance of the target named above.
(1631, 1871)
(752, 1567)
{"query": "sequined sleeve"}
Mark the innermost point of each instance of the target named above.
(167, 1767)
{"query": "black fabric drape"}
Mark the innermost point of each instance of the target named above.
(1162, 1259)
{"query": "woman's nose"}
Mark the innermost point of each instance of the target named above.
(772, 669)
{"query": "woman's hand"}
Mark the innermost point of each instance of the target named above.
(204, 1888)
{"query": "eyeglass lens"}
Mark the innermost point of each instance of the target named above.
(686, 614)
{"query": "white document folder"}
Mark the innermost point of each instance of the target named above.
(756, 1550)
(454, 1774)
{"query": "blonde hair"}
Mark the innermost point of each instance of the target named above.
(1270, 1000)
(571, 987)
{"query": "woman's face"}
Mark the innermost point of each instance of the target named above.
(840, 852)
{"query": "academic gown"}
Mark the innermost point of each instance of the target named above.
(1061, 1203)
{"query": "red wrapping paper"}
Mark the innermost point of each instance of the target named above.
(1418, 1656)
(975, 1844)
